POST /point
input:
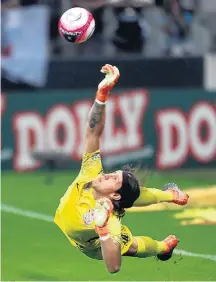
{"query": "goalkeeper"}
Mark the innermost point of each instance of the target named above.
(90, 212)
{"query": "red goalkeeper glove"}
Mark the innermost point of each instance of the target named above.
(102, 214)
(111, 77)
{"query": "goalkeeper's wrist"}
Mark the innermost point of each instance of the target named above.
(102, 231)
(104, 237)
(102, 96)
(100, 102)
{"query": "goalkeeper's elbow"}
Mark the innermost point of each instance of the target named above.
(114, 269)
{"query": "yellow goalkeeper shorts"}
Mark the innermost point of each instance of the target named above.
(126, 241)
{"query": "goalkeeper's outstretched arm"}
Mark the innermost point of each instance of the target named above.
(96, 118)
(95, 127)
(111, 251)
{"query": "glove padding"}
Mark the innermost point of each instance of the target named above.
(102, 212)
(105, 86)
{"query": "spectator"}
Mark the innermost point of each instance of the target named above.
(55, 13)
(179, 16)
(208, 18)
(132, 28)
(128, 36)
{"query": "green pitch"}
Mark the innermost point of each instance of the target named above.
(34, 249)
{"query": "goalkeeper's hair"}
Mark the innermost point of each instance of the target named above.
(129, 191)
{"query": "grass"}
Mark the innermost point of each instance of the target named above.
(36, 250)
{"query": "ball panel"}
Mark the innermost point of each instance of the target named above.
(74, 19)
(88, 30)
(68, 35)
(91, 30)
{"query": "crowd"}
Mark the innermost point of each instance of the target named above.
(147, 27)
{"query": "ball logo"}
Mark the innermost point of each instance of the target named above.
(69, 35)
(75, 33)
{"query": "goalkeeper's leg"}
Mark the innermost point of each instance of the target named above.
(171, 193)
(143, 247)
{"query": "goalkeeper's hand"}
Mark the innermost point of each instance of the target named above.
(111, 77)
(102, 213)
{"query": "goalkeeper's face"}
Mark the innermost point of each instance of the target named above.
(108, 184)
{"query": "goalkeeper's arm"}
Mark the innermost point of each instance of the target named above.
(96, 118)
(111, 251)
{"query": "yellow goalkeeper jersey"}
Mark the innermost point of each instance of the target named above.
(74, 215)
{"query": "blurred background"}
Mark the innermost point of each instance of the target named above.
(143, 27)
(161, 117)
(165, 50)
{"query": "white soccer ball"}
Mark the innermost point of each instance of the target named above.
(76, 25)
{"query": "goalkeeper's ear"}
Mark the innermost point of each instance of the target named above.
(115, 196)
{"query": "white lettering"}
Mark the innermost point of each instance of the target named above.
(171, 155)
(202, 115)
(24, 125)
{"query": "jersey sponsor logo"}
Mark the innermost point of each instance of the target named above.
(88, 217)
(97, 156)
(125, 238)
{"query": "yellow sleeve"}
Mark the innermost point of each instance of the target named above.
(91, 165)
(114, 226)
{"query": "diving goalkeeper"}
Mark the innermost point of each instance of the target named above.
(90, 212)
